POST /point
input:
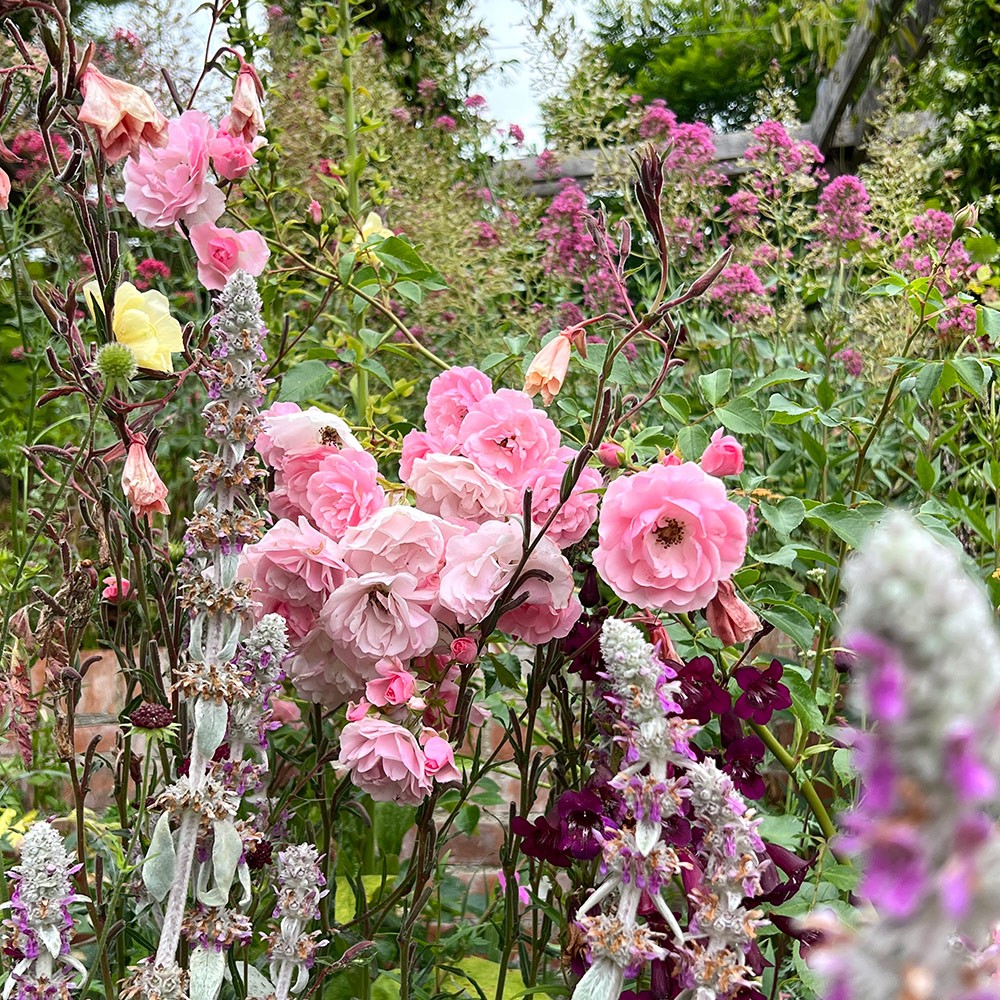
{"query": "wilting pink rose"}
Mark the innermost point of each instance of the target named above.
(285, 712)
(579, 512)
(320, 675)
(418, 444)
(507, 437)
(399, 540)
(379, 615)
(477, 567)
(123, 115)
(668, 536)
(286, 428)
(344, 491)
(552, 608)
(223, 252)
(245, 118)
(450, 396)
(611, 454)
(723, 456)
(455, 487)
(4, 191)
(393, 686)
(232, 156)
(730, 620)
(169, 185)
(464, 649)
(141, 484)
(292, 570)
(385, 761)
(440, 758)
(115, 590)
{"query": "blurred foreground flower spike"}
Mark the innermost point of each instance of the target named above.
(123, 116)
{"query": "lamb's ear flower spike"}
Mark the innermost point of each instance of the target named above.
(927, 677)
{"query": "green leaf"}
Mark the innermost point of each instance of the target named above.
(467, 819)
(779, 376)
(715, 385)
(409, 290)
(787, 412)
(784, 516)
(784, 830)
(791, 621)
(804, 705)
(972, 374)
(927, 380)
(741, 416)
(486, 975)
(392, 822)
(346, 905)
(692, 442)
(375, 368)
(304, 381)
(158, 868)
(399, 256)
(785, 556)
(982, 249)
(844, 766)
(850, 524)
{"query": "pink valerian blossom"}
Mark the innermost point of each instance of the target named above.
(385, 761)
(149, 270)
(475, 101)
(658, 120)
(852, 361)
(960, 319)
(232, 156)
(782, 166)
(744, 207)
(723, 456)
(402, 115)
(547, 165)
(692, 152)
(344, 491)
(446, 123)
(141, 483)
(170, 185)
(841, 209)
(123, 115)
(516, 133)
(486, 236)
(222, 252)
(115, 589)
(668, 537)
(741, 294)
(578, 514)
(457, 489)
(426, 87)
(292, 571)
(450, 396)
(288, 428)
(29, 148)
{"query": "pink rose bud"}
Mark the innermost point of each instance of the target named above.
(440, 757)
(4, 191)
(284, 711)
(245, 116)
(611, 455)
(123, 116)
(463, 649)
(141, 483)
(114, 589)
(315, 211)
(356, 712)
(394, 686)
(417, 704)
(671, 458)
(723, 456)
(730, 620)
(548, 368)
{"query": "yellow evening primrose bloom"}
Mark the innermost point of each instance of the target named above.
(372, 226)
(142, 321)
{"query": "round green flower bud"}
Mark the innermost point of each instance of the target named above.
(116, 364)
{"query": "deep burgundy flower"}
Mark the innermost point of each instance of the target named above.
(740, 762)
(582, 647)
(540, 839)
(590, 591)
(775, 892)
(150, 715)
(259, 855)
(582, 823)
(700, 693)
(763, 693)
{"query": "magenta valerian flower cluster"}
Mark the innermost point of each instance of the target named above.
(660, 781)
(928, 684)
(38, 933)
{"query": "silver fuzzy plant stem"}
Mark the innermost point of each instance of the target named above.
(224, 520)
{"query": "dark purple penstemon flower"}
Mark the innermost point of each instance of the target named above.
(582, 824)
(540, 839)
(741, 757)
(763, 693)
(700, 693)
(582, 647)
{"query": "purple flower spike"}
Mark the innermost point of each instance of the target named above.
(763, 693)
(895, 877)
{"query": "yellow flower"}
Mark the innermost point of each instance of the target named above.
(371, 227)
(142, 322)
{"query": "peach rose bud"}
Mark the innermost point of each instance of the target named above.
(245, 118)
(141, 483)
(547, 370)
(729, 619)
(123, 115)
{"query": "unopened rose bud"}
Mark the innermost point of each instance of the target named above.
(670, 458)
(611, 454)
(417, 704)
(464, 649)
(723, 456)
(315, 211)
(966, 218)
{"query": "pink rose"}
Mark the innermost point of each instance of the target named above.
(385, 761)
(393, 686)
(723, 456)
(292, 570)
(319, 674)
(668, 536)
(315, 212)
(169, 185)
(379, 615)
(440, 758)
(455, 487)
(115, 590)
(291, 482)
(730, 620)
(286, 428)
(450, 396)
(356, 711)
(344, 491)
(477, 567)
(579, 512)
(418, 444)
(464, 649)
(232, 156)
(507, 437)
(141, 483)
(285, 712)
(223, 252)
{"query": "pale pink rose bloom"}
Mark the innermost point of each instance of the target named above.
(385, 761)
(393, 686)
(222, 252)
(124, 116)
(440, 758)
(344, 491)
(477, 567)
(232, 156)
(668, 536)
(293, 569)
(456, 488)
(379, 615)
(418, 444)
(141, 483)
(552, 608)
(399, 539)
(548, 368)
(245, 118)
(4, 191)
(319, 674)
(723, 456)
(294, 430)
(730, 620)
(114, 589)
(169, 185)
(292, 479)
(450, 396)
(285, 712)
(508, 437)
(578, 514)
